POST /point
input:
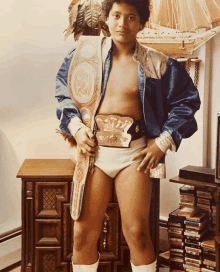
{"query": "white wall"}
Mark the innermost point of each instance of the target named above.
(192, 151)
(215, 99)
(31, 51)
(10, 252)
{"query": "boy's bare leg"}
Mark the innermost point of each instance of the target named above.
(134, 191)
(87, 228)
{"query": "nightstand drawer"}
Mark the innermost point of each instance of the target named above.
(49, 198)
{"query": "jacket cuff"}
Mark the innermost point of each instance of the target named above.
(165, 142)
(74, 125)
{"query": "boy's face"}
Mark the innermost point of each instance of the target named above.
(123, 22)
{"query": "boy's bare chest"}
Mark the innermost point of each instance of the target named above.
(123, 78)
(122, 92)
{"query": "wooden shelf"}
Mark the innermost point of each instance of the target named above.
(46, 168)
(194, 182)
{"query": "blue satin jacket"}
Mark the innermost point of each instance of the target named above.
(168, 95)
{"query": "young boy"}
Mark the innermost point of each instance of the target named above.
(150, 95)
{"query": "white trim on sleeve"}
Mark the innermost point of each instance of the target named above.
(165, 142)
(74, 125)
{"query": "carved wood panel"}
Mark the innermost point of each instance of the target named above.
(48, 232)
(109, 239)
(67, 234)
(115, 199)
(154, 215)
(123, 264)
(105, 267)
(49, 197)
(123, 240)
(48, 259)
(217, 246)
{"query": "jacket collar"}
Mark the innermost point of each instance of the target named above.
(140, 54)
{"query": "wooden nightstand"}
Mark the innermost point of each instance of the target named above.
(47, 227)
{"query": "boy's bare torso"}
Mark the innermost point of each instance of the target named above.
(122, 92)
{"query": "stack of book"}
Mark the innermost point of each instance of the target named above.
(195, 233)
(164, 259)
(213, 220)
(195, 248)
(176, 240)
(209, 255)
(187, 229)
(191, 196)
(206, 201)
(187, 196)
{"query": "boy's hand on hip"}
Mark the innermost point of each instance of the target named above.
(152, 153)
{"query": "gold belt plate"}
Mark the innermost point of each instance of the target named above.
(113, 130)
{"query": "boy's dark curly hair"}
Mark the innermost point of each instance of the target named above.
(142, 6)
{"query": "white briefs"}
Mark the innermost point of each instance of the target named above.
(111, 160)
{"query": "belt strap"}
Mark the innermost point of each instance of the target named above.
(84, 84)
(137, 129)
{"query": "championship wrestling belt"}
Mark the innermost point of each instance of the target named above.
(113, 130)
(117, 130)
(84, 84)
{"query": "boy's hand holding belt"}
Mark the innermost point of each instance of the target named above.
(85, 141)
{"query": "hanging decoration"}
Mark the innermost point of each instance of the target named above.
(187, 63)
(178, 27)
(85, 18)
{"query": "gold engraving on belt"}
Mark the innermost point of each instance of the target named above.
(113, 138)
(137, 129)
(112, 130)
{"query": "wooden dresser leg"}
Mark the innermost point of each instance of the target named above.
(27, 226)
(23, 205)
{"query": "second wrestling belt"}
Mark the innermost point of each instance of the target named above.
(84, 84)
